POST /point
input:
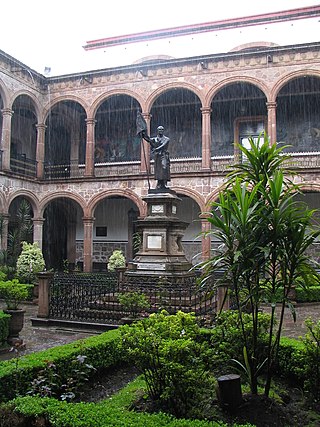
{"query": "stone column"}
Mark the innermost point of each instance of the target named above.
(4, 234)
(41, 128)
(38, 230)
(206, 138)
(89, 169)
(87, 243)
(272, 123)
(44, 287)
(206, 240)
(6, 138)
(223, 300)
(145, 148)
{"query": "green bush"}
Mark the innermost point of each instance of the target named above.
(111, 412)
(174, 360)
(30, 263)
(312, 294)
(226, 338)
(116, 260)
(102, 351)
(311, 344)
(4, 327)
(134, 302)
(13, 293)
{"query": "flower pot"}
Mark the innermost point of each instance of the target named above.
(15, 325)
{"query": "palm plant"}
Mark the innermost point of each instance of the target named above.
(264, 233)
(20, 231)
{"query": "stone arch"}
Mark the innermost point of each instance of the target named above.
(235, 79)
(176, 85)
(309, 186)
(198, 198)
(48, 107)
(30, 196)
(89, 211)
(61, 194)
(4, 94)
(104, 97)
(213, 196)
(3, 203)
(35, 101)
(287, 78)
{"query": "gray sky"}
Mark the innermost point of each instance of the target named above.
(52, 34)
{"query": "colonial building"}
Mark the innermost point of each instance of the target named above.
(69, 143)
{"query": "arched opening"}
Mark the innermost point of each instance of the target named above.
(179, 112)
(62, 218)
(23, 137)
(298, 109)
(65, 140)
(115, 130)
(238, 111)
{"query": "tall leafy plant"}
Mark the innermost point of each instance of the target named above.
(264, 233)
(20, 230)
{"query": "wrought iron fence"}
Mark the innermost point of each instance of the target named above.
(93, 297)
(22, 165)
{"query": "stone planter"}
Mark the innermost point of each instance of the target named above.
(15, 325)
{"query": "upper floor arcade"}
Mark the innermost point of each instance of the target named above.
(82, 126)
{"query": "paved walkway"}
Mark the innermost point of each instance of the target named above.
(40, 338)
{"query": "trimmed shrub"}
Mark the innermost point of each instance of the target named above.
(311, 344)
(102, 351)
(227, 342)
(4, 327)
(111, 412)
(13, 293)
(312, 294)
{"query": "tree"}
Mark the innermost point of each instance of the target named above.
(264, 233)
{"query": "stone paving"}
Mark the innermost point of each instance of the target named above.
(40, 338)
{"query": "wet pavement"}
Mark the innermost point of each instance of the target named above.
(36, 338)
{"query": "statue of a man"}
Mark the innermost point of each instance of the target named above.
(159, 148)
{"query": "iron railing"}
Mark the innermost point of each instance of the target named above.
(93, 297)
(22, 165)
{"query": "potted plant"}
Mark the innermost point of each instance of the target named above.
(13, 293)
(116, 260)
(134, 303)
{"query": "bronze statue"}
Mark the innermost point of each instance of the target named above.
(159, 148)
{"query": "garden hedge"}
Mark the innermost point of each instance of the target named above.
(4, 327)
(111, 412)
(310, 295)
(102, 351)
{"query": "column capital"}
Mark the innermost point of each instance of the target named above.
(88, 219)
(206, 110)
(271, 105)
(41, 126)
(38, 220)
(91, 121)
(7, 112)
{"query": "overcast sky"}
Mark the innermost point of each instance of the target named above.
(52, 33)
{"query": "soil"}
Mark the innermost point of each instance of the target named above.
(107, 383)
(257, 410)
(293, 411)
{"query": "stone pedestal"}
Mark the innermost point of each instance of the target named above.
(161, 251)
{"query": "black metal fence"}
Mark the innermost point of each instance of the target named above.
(93, 297)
